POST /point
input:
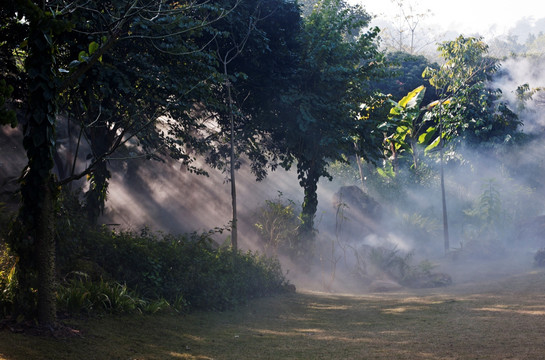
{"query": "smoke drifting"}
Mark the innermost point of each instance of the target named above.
(519, 71)
(164, 197)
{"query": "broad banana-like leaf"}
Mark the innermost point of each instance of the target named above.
(413, 98)
(437, 102)
(425, 137)
(403, 130)
(409, 101)
(433, 144)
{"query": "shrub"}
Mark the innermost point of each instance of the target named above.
(189, 271)
(123, 271)
(277, 224)
(84, 295)
(391, 263)
(8, 264)
(539, 258)
(8, 282)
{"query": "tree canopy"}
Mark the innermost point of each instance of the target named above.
(269, 83)
(320, 107)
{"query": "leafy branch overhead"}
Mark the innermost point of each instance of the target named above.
(223, 83)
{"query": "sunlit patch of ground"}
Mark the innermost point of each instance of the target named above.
(499, 319)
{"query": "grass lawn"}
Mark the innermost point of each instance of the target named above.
(501, 319)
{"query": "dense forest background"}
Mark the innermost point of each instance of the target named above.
(145, 139)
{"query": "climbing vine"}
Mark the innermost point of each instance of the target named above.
(34, 243)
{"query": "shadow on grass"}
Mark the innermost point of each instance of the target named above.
(496, 323)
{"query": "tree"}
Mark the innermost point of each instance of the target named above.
(320, 108)
(254, 57)
(225, 56)
(144, 88)
(409, 127)
(47, 25)
(407, 21)
(403, 74)
(35, 243)
(467, 107)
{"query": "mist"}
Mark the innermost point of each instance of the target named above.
(408, 225)
(166, 197)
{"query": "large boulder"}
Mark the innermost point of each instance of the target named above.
(358, 214)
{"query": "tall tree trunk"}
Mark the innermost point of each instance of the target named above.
(309, 181)
(443, 196)
(444, 203)
(36, 245)
(45, 260)
(234, 232)
(234, 221)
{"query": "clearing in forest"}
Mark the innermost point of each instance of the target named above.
(495, 319)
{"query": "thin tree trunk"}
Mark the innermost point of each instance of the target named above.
(360, 168)
(443, 196)
(444, 202)
(234, 232)
(412, 42)
(309, 181)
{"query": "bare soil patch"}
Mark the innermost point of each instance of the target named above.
(502, 318)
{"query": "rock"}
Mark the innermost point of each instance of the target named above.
(290, 288)
(430, 280)
(359, 212)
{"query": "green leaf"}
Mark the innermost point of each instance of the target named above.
(403, 130)
(433, 144)
(396, 110)
(425, 137)
(93, 47)
(83, 56)
(413, 98)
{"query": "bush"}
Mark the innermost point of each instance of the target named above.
(8, 264)
(84, 295)
(277, 224)
(188, 270)
(108, 271)
(390, 263)
(8, 283)
(539, 258)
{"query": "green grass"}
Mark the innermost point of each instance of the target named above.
(504, 319)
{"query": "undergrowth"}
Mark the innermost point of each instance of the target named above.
(102, 270)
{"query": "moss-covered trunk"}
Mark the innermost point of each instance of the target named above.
(308, 179)
(45, 258)
(35, 244)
